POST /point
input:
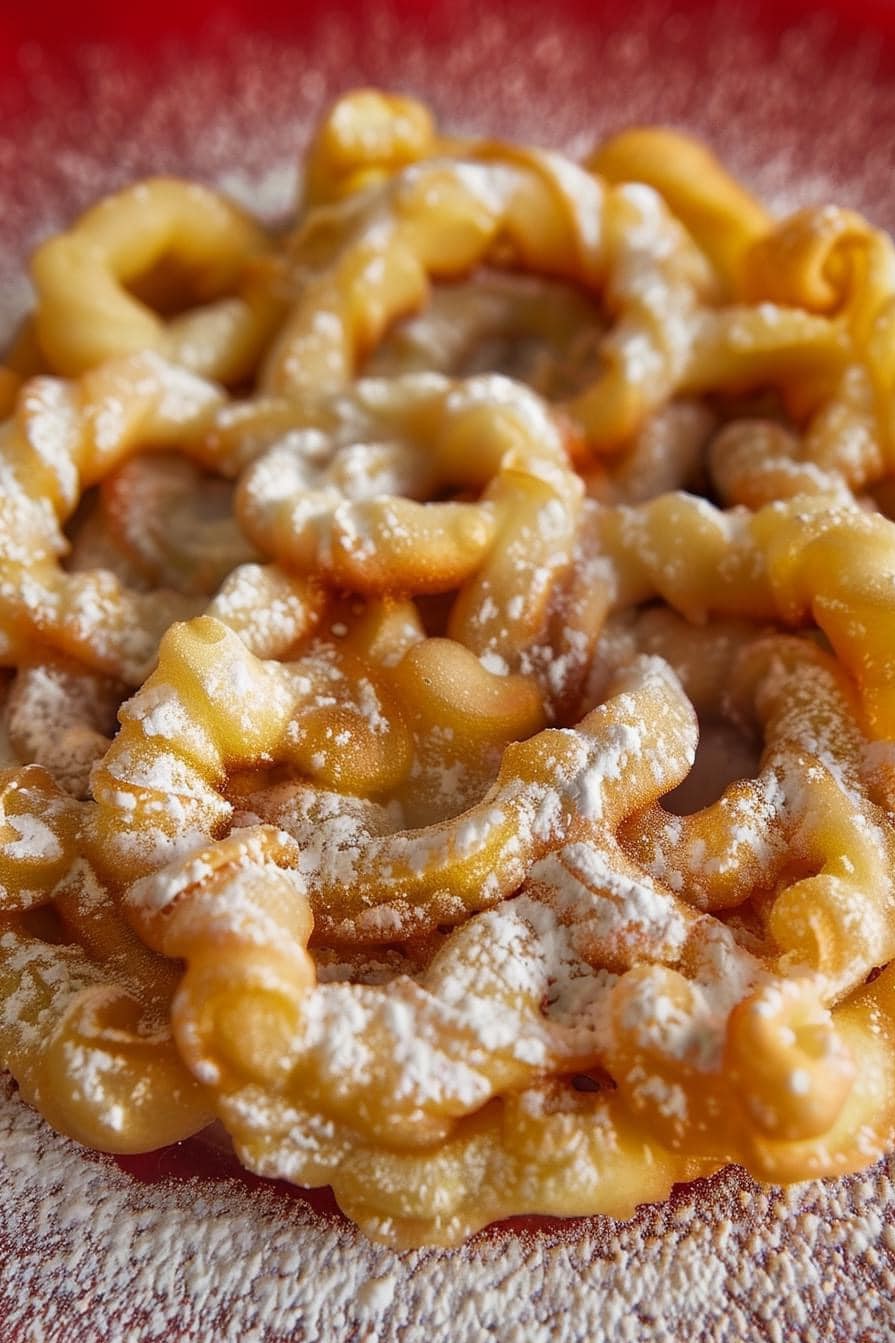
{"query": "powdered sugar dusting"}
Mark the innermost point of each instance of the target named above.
(85, 1251)
(88, 1252)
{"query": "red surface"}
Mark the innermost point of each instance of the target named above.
(59, 24)
(143, 33)
(201, 1158)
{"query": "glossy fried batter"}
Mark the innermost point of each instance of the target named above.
(430, 536)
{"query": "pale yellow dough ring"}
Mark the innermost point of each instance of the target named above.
(83, 1022)
(264, 1068)
(362, 264)
(159, 788)
(826, 261)
(796, 562)
(723, 218)
(90, 1046)
(66, 436)
(85, 314)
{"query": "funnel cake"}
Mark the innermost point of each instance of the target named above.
(366, 591)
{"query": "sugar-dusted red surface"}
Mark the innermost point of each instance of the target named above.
(204, 1158)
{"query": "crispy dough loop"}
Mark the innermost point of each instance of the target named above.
(672, 1036)
(549, 791)
(441, 219)
(68, 436)
(801, 560)
(64, 438)
(85, 314)
(724, 219)
(644, 271)
(329, 503)
(803, 812)
(346, 715)
(183, 734)
(548, 1146)
(755, 462)
(340, 502)
(250, 1012)
(84, 1030)
(809, 810)
(831, 262)
(825, 260)
(210, 707)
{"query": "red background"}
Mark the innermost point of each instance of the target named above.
(57, 24)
